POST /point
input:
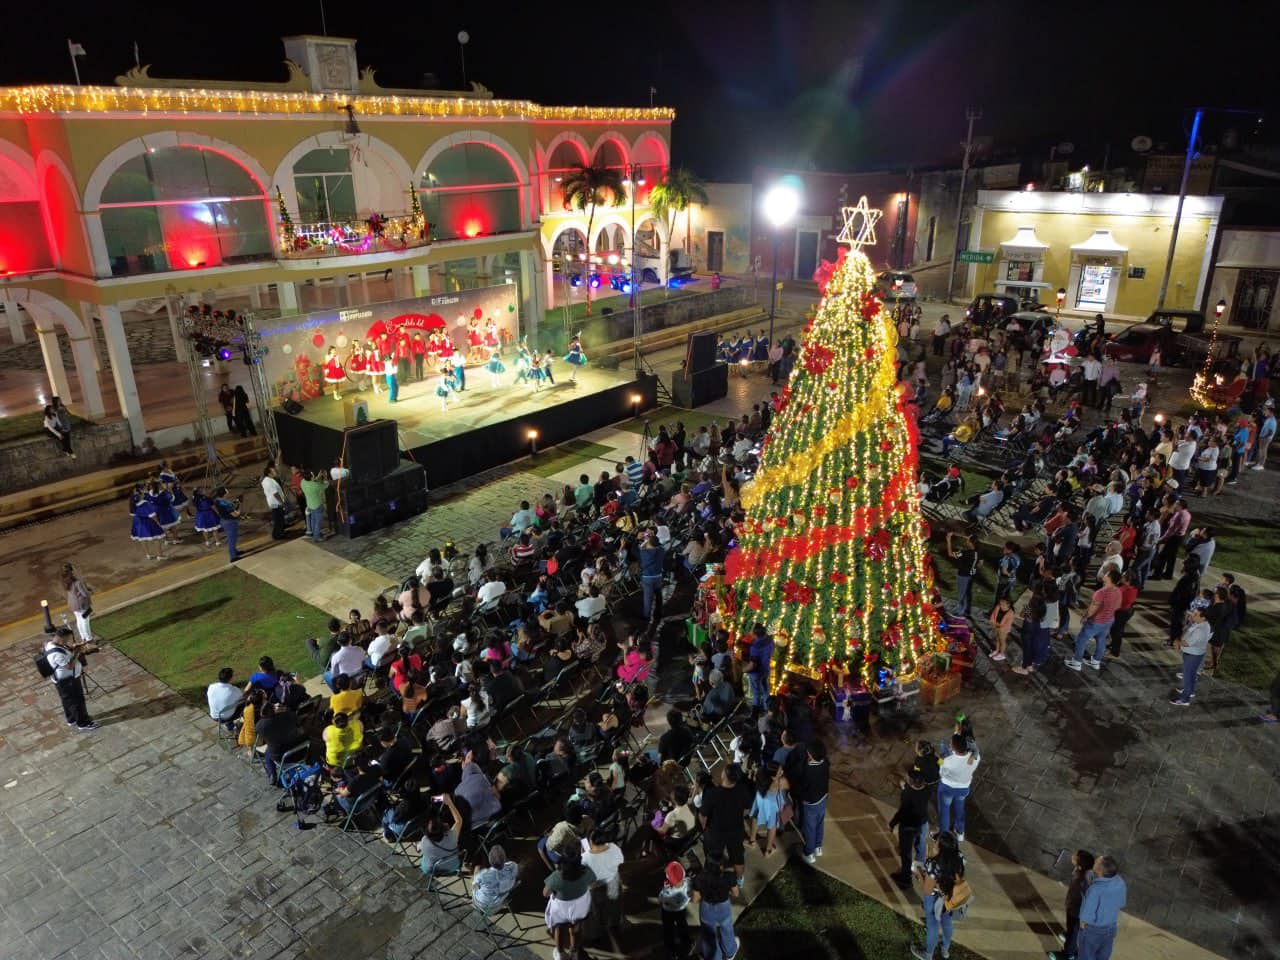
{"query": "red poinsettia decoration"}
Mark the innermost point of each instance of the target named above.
(877, 545)
(837, 577)
(817, 358)
(754, 601)
(870, 306)
(793, 592)
(826, 270)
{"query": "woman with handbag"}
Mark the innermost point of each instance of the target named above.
(943, 890)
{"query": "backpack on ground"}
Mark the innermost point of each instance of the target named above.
(303, 785)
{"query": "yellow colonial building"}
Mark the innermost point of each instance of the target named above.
(1107, 250)
(322, 189)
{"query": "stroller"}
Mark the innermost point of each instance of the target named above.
(301, 783)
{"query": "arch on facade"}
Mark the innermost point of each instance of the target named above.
(601, 149)
(565, 150)
(650, 149)
(122, 154)
(63, 221)
(47, 313)
(610, 219)
(17, 174)
(24, 226)
(381, 188)
(473, 192)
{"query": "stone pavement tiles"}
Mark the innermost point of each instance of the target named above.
(145, 839)
(1186, 799)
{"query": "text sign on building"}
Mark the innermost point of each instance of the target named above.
(977, 256)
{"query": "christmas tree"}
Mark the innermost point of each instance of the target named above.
(287, 234)
(832, 557)
(417, 221)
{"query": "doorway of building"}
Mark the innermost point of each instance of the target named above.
(715, 251)
(1255, 293)
(806, 253)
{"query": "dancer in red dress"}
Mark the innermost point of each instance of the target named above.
(491, 342)
(333, 372)
(373, 367)
(475, 342)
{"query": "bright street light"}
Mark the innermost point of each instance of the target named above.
(781, 203)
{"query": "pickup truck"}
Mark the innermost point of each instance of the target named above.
(1181, 336)
(679, 265)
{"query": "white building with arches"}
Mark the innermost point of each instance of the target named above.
(323, 188)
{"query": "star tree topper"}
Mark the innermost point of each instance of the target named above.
(859, 225)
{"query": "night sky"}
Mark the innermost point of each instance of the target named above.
(823, 84)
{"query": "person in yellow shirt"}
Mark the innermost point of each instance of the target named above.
(345, 699)
(343, 738)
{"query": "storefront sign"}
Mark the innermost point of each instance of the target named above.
(977, 256)
(297, 346)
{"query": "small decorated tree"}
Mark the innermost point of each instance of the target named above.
(417, 219)
(288, 235)
(832, 558)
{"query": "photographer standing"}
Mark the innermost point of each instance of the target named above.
(274, 494)
(65, 656)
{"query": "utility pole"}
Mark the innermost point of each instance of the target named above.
(1177, 214)
(971, 116)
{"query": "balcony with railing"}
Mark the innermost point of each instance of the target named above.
(377, 233)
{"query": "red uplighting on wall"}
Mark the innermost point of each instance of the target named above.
(472, 228)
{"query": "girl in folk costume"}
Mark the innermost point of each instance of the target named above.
(523, 363)
(145, 529)
(575, 356)
(447, 389)
(491, 341)
(475, 342)
(333, 372)
(180, 499)
(166, 516)
(536, 373)
(495, 367)
(208, 523)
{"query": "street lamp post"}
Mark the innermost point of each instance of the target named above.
(633, 176)
(780, 205)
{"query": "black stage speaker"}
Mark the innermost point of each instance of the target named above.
(372, 505)
(700, 353)
(701, 387)
(289, 405)
(373, 450)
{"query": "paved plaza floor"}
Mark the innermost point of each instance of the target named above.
(145, 839)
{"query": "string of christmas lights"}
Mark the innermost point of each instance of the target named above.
(832, 557)
(68, 99)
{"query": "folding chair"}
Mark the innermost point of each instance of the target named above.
(295, 756)
(450, 867)
(228, 737)
(363, 803)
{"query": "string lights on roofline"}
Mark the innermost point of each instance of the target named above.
(54, 99)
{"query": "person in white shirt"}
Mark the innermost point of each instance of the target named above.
(379, 646)
(591, 604)
(274, 493)
(225, 701)
(1115, 498)
(741, 447)
(1180, 459)
(63, 655)
(1091, 370)
(490, 590)
(955, 777)
(604, 858)
(348, 659)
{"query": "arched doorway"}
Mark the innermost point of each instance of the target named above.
(470, 189)
(183, 207)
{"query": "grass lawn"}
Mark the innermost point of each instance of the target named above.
(806, 913)
(548, 463)
(23, 426)
(230, 619)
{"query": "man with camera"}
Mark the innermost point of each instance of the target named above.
(65, 658)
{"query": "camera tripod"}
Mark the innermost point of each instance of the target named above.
(646, 441)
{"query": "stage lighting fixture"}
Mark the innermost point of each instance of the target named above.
(224, 353)
(595, 281)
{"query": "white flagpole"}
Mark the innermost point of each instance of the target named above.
(137, 60)
(71, 49)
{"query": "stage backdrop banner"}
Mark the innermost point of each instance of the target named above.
(297, 345)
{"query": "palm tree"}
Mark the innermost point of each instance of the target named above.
(676, 193)
(585, 188)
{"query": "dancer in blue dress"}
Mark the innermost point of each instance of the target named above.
(166, 516)
(535, 371)
(762, 348)
(722, 349)
(747, 347)
(207, 520)
(523, 363)
(495, 367)
(180, 499)
(146, 529)
(447, 388)
(576, 357)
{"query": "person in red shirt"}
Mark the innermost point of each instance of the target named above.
(1128, 594)
(386, 347)
(1098, 620)
(419, 348)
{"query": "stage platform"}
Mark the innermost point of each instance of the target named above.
(486, 427)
